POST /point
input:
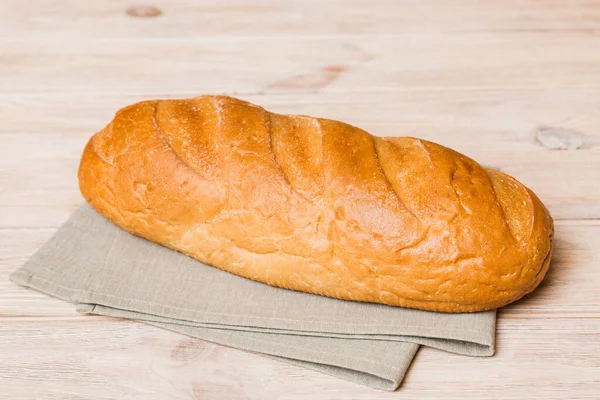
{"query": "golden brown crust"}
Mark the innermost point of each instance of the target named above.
(317, 205)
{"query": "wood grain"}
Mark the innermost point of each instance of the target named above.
(481, 77)
(508, 60)
(190, 19)
(96, 357)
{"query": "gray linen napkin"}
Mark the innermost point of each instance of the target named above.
(104, 270)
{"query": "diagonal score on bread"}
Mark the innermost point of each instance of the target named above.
(317, 205)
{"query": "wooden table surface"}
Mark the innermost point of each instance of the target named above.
(501, 81)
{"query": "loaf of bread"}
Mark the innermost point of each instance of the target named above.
(317, 205)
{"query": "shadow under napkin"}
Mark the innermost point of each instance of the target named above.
(104, 270)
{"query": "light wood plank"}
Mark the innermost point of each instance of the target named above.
(569, 290)
(479, 61)
(39, 155)
(465, 115)
(109, 358)
(191, 19)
